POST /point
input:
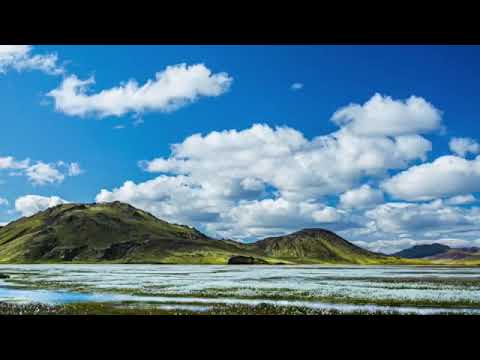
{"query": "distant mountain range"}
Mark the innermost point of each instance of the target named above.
(439, 252)
(119, 233)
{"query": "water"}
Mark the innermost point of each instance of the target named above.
(425, 290)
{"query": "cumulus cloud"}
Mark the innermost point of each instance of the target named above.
(40, 173)
(283, 158)
(259, 218)
(446, 176)
(382, 115)
(411, 217)
(263, 181)
(364, 196)
(20, 58)
(461, 200)
(228, 178)
(31, 204)
(176, 199)
(71, 169)
(179, 199)
(9, 162)
(393, 226)
(463, 146)
(171, 89)
(74, 169)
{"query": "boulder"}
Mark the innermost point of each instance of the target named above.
(245, 260)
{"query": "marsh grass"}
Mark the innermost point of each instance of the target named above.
(126, 309)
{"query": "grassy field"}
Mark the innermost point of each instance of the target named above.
(125, 309)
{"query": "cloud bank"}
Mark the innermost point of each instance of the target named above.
(176, 86)
(261, 181)
(40, 173)
(20, 58)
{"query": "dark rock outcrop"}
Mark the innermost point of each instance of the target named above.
(245, 260)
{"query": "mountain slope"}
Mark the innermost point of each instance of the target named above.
(422, 251)
(440, 252)
(316, 245)
(117, 232)
(463, 254)
(105, 232)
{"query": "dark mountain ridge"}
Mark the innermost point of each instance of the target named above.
(437, 251)
(421, 251)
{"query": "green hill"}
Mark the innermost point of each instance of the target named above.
(114, 232)
(316, 246)
(120, 233)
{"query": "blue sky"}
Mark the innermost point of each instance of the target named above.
(86, 142)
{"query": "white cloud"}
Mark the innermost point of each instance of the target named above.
(361, 197)
(40, 173)
(381, 115)
(296, 86)
(463, 146)
(461, 200)
(286, 160)
(260, 218)
(446, 176)
(179, 199)
(9, 162)
(3, 201)
(412, 217)
(262, 181)
(211, 177)
(31, 204)
(171, 89)
(175, 199)
(20, 58)
(74, 169)
(393, 226)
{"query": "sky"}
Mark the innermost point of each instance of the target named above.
(377, 143)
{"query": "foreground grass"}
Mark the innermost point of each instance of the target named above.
(112, 309)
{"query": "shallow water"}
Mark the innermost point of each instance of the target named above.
(198, 287)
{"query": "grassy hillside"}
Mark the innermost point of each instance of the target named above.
(112, 232)
(318, 245)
